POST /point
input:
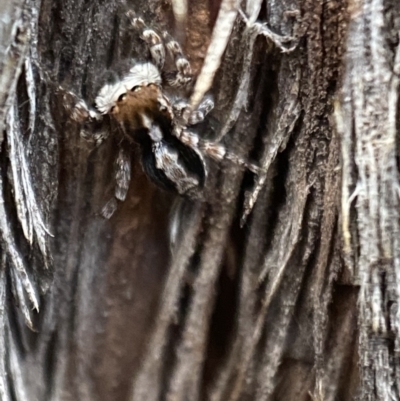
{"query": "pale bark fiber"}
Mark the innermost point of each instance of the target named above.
(299, 304)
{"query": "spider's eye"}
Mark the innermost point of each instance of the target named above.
(112, 109)
(136, 88)
(122, 97)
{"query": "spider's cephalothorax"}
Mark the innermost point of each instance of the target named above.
(148, 104)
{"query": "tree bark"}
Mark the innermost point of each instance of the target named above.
(278, 286)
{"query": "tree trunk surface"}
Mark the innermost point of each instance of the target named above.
(282, 285)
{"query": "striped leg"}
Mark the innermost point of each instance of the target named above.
(122, 181)
(152, 39)
(213, 150)
(183, 76)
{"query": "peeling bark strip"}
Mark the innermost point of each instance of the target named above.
(222, 30)
(12, 51)
(368, 120)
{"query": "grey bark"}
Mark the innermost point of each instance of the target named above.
(299, 303)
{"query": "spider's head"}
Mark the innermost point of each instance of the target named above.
(137, 101)
(140, 75)
(144, 107)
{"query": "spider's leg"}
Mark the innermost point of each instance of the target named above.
(91, 121)
(196, 116)
(151, 37)
(122, 180)
(213, 150)
(79, 110)
(218, 152)
(123, 175)
(109, 208)
(89, 118)
(82, 113)
(183, 75)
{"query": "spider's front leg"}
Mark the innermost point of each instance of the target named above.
(178, 79)
(183, 76)
(151, 37)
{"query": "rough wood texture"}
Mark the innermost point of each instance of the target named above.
(301, 303)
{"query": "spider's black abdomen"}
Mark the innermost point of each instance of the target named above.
(191, 159)
(173, 166)
(156, 175)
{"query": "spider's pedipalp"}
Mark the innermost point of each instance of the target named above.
(81, 112)
(197, 116)
(179, 107)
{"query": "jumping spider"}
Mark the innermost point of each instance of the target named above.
(147, 105)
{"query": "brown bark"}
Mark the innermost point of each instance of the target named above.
(300, 303)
